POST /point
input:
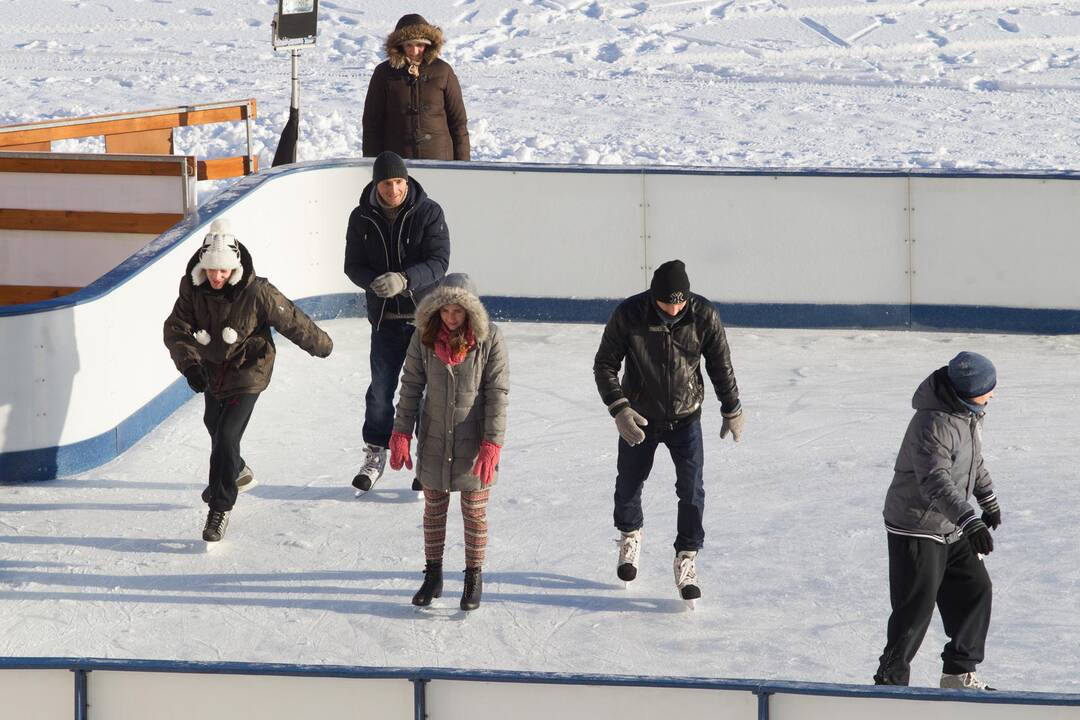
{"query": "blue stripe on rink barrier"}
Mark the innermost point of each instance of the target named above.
(58, 461)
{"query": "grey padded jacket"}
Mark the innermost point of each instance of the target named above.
(940, 465)
(461, 405)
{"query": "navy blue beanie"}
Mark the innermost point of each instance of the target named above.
(972, 375)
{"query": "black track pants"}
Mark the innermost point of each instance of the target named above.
(226, 421)
(923, 573)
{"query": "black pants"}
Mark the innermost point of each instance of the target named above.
(226, 421)
(634, 465)
(923, 573)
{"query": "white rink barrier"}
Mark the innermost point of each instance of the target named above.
(86, 375)
(58, 688)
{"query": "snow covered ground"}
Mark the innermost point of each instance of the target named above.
(759, 83)
(108, 564)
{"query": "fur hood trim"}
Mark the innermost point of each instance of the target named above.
(453, 294)
(431, 33)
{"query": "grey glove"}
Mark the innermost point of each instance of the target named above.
(628, 422)
(389, 284)
(733, 423)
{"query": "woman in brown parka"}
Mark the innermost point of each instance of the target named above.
(457, 377)
(219, 337)
(413, 103)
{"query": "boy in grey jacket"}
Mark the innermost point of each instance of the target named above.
(936, 539)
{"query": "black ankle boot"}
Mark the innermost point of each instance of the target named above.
(474, 586)
(432, 587)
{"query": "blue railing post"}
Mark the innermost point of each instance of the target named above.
(419, 698)
(762, 703)
(80, 694)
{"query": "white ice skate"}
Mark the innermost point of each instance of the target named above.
(963, 681)
(686, 577)
(629, 549)
(372, 469)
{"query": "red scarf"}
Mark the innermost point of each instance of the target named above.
(446, 353)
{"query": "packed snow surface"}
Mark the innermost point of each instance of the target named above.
(989, 84)
(794, 572)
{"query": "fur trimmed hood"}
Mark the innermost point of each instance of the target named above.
(456, 288)
(413, 27)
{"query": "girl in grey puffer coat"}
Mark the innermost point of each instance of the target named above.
(457, 379)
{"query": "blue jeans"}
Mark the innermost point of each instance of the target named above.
(389, 344)
(634, 464)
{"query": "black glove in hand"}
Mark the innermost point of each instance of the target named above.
(992, 518)
(991, 512)
(979, 537)
(197, 379)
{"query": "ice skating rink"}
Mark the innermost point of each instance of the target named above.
(794, 574)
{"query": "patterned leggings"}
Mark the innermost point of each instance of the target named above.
(474, 514)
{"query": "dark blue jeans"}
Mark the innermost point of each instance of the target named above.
(635, 463)
(389, 344)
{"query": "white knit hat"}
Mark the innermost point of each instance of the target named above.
(220, 251)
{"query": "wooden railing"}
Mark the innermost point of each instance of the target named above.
(141, 132)
(47, 193)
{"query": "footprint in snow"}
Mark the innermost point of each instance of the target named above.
(1008, 26)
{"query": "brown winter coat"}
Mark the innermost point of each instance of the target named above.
(251, 307)
(422, 117)
(462, 405)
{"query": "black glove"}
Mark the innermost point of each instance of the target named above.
(197, 379)
(979, 536)
(991, 514)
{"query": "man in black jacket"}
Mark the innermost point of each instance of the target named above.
(664, 333)
(397, 248)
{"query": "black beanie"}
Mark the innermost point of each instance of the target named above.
(388, 165)
(670, 283)
(410, 19)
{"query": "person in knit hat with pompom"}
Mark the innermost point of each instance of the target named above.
(937, 538)
(219, 337)
(413, 105)
(457, 374)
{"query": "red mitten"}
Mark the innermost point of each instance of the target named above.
(399, 451)
(486, 461)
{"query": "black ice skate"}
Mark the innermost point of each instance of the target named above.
(216, 522)
(474, 586)
(432, 587)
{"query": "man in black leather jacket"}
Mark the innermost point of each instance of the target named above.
(664, 333)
